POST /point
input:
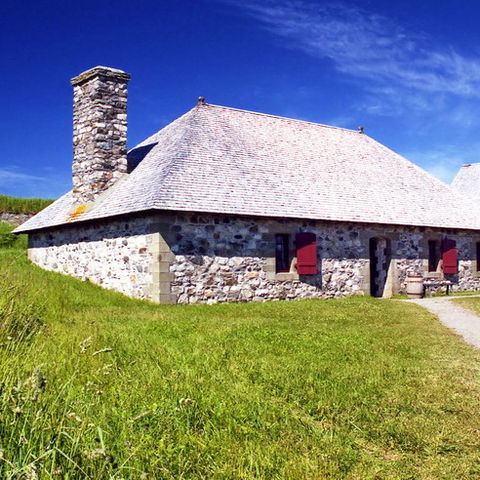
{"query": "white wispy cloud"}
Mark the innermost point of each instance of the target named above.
(369, 46)
(422, 83)
(15, 182)
(10, 176)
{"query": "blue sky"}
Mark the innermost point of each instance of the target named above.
(407, 71)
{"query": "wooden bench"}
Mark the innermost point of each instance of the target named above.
(430, 283)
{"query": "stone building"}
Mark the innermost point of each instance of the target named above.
(467, 181)
(228, 205)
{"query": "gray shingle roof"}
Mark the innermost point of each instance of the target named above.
(224, 160)
(467, 181)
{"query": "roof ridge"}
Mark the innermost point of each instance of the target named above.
(471, 164)
(170, 125)
(423, 171)
(277, 116)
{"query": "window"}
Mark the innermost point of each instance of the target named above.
(433, 255)
(478, 256)
(282, 254)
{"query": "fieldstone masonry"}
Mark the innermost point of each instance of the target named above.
(190, 258)
(99, 131)
(117, 255)
(15, 218)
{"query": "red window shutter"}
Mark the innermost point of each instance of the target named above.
(449, 256)
(306, 243)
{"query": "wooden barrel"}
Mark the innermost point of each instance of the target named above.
(415, 286)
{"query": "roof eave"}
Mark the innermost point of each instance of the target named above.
(19, 231)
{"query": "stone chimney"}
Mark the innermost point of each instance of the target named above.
(99, 131)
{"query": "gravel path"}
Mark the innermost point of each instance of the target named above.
(462, 321)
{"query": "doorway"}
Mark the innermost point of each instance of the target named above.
(380, 257)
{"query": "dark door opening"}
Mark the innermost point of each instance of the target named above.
(380, 257)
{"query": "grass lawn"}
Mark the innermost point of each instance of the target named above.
(463, 293)
(94, 385)
(470, 303)
(22, 205)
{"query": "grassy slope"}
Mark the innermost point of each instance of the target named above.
(22, 205)
(347, 389)
(9, 240)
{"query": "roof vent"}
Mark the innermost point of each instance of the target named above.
(201, 100)
(360, 130)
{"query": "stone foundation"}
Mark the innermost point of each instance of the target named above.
(189, 258)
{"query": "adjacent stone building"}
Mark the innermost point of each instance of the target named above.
(228, 205)
(467, 181)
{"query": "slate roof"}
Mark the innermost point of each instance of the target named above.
(467, 181)
(224, 160)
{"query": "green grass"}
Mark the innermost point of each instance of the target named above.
(470, 303)
(462, 293)
(465, 293)
(22, 205)
(9, 240)
(97, 386)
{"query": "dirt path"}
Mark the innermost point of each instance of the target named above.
(462, 321)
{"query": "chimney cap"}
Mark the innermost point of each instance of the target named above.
(100, 70)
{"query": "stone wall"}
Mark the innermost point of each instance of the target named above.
(222, 259)
(15, 218)
(468, 277)
(99, 131)
(118, 255)
(190, 258)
